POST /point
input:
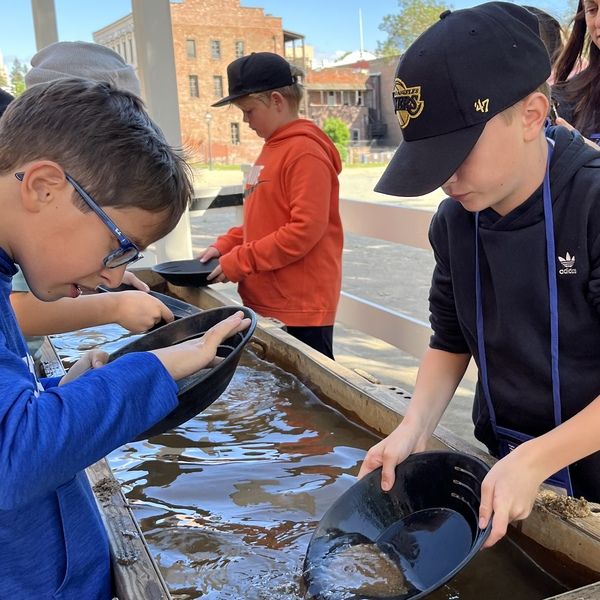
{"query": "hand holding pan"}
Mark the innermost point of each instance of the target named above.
(179, 308)
(421, 533)
(196, 390)
(191, 273)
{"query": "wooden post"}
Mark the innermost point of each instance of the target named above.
(156, 67)
(44, 23)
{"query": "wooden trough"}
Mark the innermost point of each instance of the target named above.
(567, 547)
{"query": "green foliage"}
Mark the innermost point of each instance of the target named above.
(3, 79)
(17, 78)
(343, 150)
(339, 133)
(337, 130)
(412, 19)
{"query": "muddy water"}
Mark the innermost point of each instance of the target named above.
(228, 501)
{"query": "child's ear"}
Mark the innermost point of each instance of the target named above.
(278, 100)
(534, 113)
(43, 182)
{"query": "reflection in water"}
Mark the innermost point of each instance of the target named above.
(70, 346)
(229, 500)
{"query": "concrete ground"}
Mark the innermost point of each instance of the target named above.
(400, 281)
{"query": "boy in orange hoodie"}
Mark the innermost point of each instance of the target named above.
(287, 255)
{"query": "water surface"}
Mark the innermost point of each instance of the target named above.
(229, 500)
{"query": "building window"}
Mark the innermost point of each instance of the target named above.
(239, 49)
(131, 51)
(218, 86)
(346, 98)
(215, 49)
(190, 47)
(330, 98)
(359, 98)
(355, 134)
(235, 134)
(194, 89)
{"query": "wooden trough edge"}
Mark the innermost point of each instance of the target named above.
(573, 543)
(134, 570)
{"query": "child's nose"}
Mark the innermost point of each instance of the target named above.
(113, 277)
(452, 179)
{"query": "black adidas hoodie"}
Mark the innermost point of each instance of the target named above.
(516, 303)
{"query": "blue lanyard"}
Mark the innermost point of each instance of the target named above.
(553, 296)
(595, 137)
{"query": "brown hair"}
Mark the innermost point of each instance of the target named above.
(583, 90)
(103, 138)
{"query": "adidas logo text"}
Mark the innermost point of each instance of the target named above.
(567, 262)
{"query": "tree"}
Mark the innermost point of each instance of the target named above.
(339, 133)
(412, 19)
(17, 78)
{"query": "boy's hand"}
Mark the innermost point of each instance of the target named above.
(138, 311)
(391, 451)
(188, 357)
(93, 359)
(217, 275)
(208, 253)
(508, 493)
(130, 279)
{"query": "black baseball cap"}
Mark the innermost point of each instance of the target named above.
(257, 72)
(466, 68)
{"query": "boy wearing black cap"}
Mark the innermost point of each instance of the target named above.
(517, 246)
(287, 255)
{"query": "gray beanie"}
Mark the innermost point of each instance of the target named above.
(85, 60)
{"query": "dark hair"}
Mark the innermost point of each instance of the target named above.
(550, 32)
(102, 137)
(582, 90)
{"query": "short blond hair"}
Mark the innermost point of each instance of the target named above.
(508, 113)
(292, 93)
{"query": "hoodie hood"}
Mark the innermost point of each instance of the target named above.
(7, 265)
(307, 129)
(570, 154)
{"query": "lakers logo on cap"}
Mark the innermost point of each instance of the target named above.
(407, 102)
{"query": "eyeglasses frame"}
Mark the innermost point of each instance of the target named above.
(125, 244)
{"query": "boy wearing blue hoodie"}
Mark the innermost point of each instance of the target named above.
(86, 181)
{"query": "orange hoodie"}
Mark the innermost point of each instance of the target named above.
(287, 256)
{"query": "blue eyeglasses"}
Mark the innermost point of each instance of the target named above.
(127, 252)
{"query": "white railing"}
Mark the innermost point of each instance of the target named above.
(399, 225)
(391, 223)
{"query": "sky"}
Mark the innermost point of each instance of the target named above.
(330, 26)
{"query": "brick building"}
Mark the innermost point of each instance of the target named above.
(207, 36)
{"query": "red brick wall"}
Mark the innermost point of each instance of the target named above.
(228, 22)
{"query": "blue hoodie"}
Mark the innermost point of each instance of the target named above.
(52, 542)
